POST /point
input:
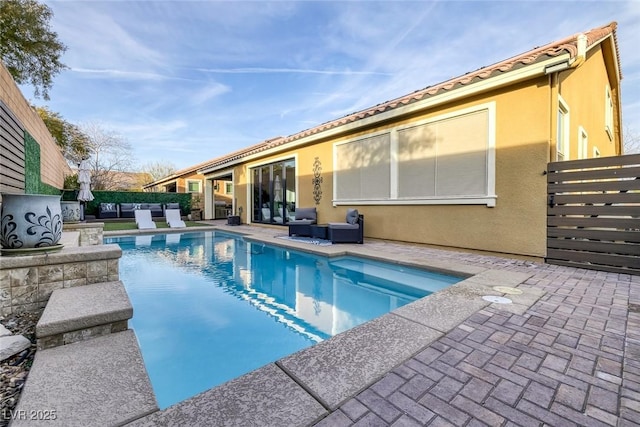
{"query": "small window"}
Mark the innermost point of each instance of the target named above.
(562, 136)
(608, 113)
(583, 143)
(228, 189)
(596, 152)
(193, 186)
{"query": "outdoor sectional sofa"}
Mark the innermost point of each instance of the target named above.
(107, 210)
(350, 231)
(304, 218)
(127, 210)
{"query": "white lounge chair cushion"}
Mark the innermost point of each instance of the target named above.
(173, 218)
(143, 219)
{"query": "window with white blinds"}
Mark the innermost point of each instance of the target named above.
(362, 171)
(446, 160)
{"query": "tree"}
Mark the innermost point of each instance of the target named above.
(631, 140)
(29, 49)
(110, 158)
(73, 143)
(159, 170)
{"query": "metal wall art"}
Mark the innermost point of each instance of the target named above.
(317, 180)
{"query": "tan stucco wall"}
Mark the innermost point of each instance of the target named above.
(181, 182)
(525, 123)
(517, 224)
(53, 166)
(583, 89)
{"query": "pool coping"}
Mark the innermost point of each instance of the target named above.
(305, 387)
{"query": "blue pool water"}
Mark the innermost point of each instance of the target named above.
(209, 307)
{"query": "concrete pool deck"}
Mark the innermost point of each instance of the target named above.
(566, 352)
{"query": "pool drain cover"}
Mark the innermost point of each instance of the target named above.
(507, 290)
(498, 300)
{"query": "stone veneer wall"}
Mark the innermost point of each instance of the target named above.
(26, 282)
(90, 233)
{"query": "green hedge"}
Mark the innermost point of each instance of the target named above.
(69, 195)
(31, 165)
(137, 197)
(32, 174)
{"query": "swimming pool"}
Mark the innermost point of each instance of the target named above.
(210, 306)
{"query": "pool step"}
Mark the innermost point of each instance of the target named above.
(83, 312)
(99, 382)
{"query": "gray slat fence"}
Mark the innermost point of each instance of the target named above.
(12, 161)
(593, 214)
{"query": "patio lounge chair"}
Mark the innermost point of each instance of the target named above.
(351, 231)
(173, 218)
(266, 216)
(301, 226)
(143, 219)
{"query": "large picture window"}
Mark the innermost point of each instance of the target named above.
(363, 168)
(445, 160)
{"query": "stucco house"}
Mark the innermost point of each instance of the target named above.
(459, 163)
(189, 180)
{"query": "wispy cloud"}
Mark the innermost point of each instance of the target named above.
(122, 74)
(211, 91)
(191, 80)
(101, 35)
(257, 70)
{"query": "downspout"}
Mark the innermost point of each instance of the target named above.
(554, 81)
(581, 56)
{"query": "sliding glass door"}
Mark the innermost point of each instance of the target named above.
(274, 194)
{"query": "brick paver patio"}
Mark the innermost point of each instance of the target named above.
(573, 359)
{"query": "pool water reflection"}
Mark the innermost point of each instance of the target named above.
(209, 307)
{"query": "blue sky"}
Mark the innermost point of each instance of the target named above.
(188, 81)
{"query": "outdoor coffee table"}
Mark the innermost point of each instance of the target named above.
(319, 231)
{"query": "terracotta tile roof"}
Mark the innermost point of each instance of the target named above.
(567, 45)
(190, 168)
(210, 162)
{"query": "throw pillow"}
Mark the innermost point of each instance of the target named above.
(352, 216)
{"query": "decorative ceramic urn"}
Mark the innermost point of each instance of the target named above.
(30, 221)
(70, 211)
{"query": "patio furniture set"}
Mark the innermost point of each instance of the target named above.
(306, 224)
(127, 210)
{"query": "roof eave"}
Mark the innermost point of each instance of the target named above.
(497, 81)
(161, 181)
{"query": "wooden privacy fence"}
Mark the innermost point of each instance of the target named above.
(12, 161)
(593, 214)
